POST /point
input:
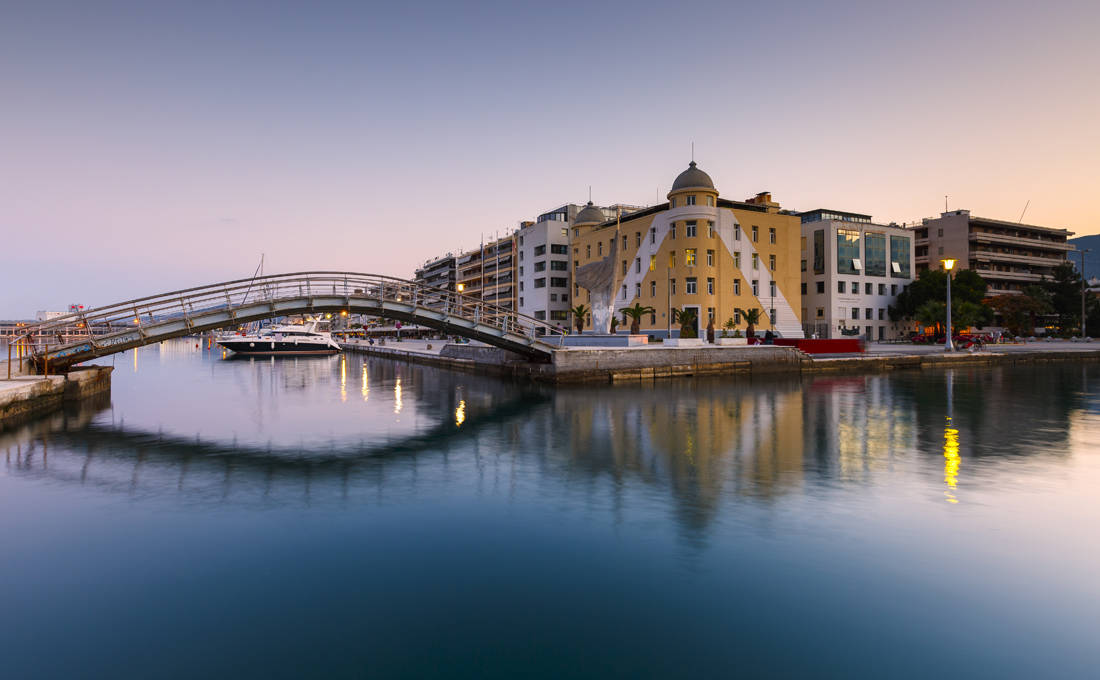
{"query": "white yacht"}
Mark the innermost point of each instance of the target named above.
(283, 340)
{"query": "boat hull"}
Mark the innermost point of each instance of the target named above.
(277, 347)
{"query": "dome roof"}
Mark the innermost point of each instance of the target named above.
(590, 214)
(693, 178)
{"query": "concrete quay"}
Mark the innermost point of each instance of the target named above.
(28, 396)
(651, 362)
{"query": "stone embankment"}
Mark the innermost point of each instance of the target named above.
(624, 364)
(28, 396)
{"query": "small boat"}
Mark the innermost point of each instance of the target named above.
(285, 340)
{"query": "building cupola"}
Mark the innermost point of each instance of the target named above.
(589, 215)
(692, 186)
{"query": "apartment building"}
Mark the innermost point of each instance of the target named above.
(489, 272)
(440, 272)
(852, 272)
(698, 251)
(1009, 255)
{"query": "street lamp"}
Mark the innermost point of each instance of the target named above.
(1084, 288)
(948, 265)
(461, 287)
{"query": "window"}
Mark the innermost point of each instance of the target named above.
(521, 301)
(558, 315)
(710, 229)
(653, 235)
(819, 251)
(899, 257)
(540, 315)
(737, 316)
(755, 233)
(559, 249)
(689, 229)
(588, 251)
(755, 261)
(803, 265)
(559, 265)
(689, 257)
(553, 297)
(599, 249)
(868, 314)
(521, 271)
(672, 202)
(624, 291)
(868, 288)
(710, 201)
(576, 263)
(521, 240)
(771, 234)
(565, 296)
(881, 313)
(671, 258)
(803, 288)
(521, 285)
(638, 289)
(840, 286)
(882, 289)
(624, 267)
(540, 266)
(941, 231)
(672, 230)
(771, 288)
(637, 239)
(690, 285)
(847, 251)
(556, 282)
(521, 256)
(710, 315)
(821, 312)
(638, 265)
(690, 200)
(737, 286)
(624, 241)
(540, 250)
(737, 260)
(820, 287)
(653, 318)
(652, 289)
(855, 313)
(874, 254)
(771, 262)
(756, 287)
(710, 258)
(710, 286)
(893, 289)
(672, 286)
(652, 263)
(540, 283)
(737, 232)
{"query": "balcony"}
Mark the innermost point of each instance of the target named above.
(987, 256)
(1036, 243)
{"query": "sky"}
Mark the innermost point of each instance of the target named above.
(147, 147)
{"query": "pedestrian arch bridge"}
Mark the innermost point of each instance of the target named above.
(74, 338)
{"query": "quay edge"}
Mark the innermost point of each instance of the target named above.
(27, 396)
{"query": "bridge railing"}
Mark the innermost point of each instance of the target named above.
(232, 295)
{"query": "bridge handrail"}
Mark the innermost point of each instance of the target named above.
(184, 303)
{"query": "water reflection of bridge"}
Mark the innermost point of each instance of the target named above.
(703, 442)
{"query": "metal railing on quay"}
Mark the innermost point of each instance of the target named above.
(139, 313)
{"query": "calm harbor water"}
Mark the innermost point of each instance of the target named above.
(354, 517)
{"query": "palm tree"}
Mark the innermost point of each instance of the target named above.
(614, 325)
(686, 318)
(752, 317)
(636, 313)
(580, 312)
(727, 327)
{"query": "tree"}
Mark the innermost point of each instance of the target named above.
(727, 327)
(580, 313)
(751, 317)
(1019, 312)
(636, 312)
(686, 318)
(614, 325)
(932, 313)
(1065, 296)
(931, 285)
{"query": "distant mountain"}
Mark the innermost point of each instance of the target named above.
(1092, 259)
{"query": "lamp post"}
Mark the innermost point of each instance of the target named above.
(948, 265)
(1084, 288)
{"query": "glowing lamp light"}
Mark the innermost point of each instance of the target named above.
(343, 312)
(137, 320)
(461, 287)
(948, 264)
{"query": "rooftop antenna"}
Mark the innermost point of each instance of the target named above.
(1024, 211)
(945, 202)
(693, 152)
(589, 193)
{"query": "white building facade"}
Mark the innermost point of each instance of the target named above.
(852, 272)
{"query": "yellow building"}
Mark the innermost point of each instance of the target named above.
(699, 251)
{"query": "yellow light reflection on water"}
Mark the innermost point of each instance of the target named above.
(343, 378)
(950, 460)
(397, 396)
(135, 360)
(460, 413)
(366, 385)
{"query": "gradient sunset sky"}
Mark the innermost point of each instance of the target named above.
(149, 146)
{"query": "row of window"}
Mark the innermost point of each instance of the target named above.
(874, 259)
(868, 313)
(853, 286)
(691, 287)
(555, 282)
